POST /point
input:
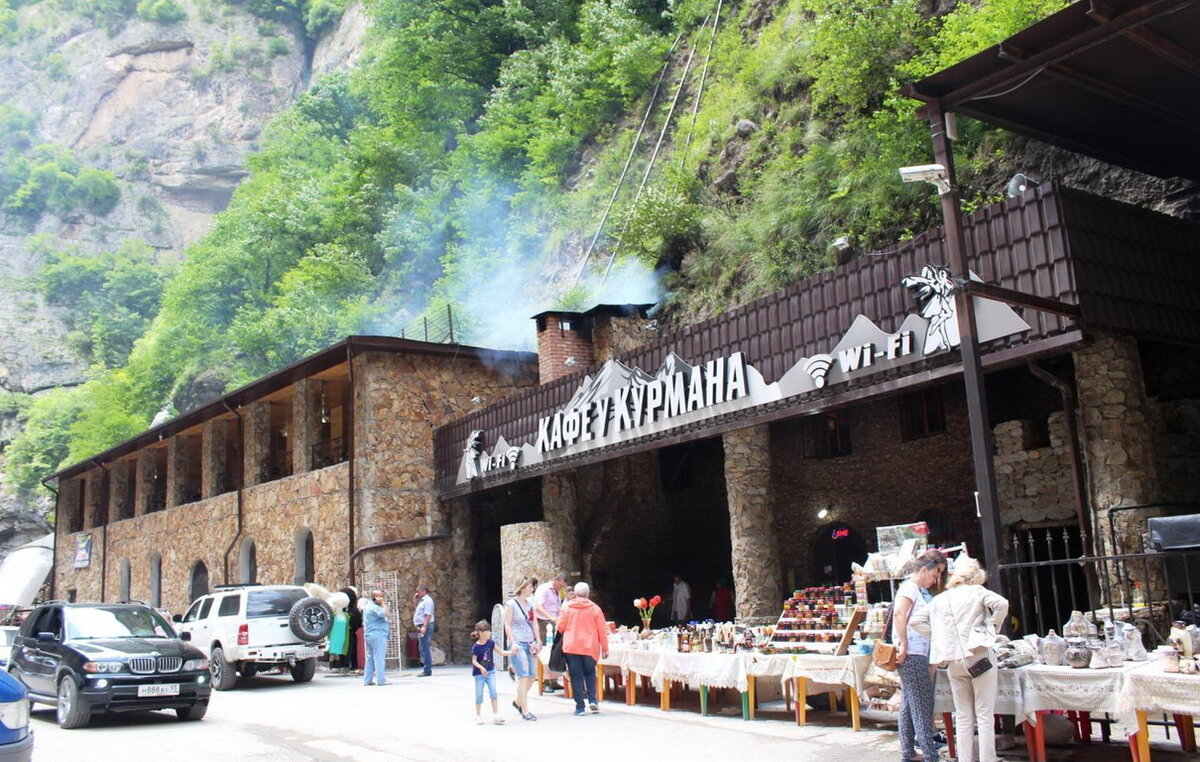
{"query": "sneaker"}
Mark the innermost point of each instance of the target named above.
(529, 716)
(579, 712)
(498, 720)
(478, 720)
(595, 708)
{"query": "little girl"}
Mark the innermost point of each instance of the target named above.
(483, 667)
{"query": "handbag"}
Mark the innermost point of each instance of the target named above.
(558, 660)
(884, 655)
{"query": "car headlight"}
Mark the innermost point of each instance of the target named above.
(96, 667)
(191, 665)
(14, 714)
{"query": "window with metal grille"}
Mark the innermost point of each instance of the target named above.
(922, 414)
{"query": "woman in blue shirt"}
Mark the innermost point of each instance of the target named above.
(376, 630)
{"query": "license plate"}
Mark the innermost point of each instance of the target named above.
(308, 653)
(168, 689)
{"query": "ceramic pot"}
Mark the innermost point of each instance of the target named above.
(1077, 655)
(1052, 650)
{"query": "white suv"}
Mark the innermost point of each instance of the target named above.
(245, 629)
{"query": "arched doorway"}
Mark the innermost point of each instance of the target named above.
(199, 583)
(835, 547)
(248, 562)
(304, 556)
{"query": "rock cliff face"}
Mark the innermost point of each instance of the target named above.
(173, 110)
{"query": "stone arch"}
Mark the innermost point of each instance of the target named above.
(198, 585)
(304, 556)
(126, 582)
(248, 561)
(156, 580)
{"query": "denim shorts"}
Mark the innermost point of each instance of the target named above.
(522, 661)
(481, 681)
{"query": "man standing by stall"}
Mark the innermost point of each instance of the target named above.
(424, 620)
(547, 605)
(681, 601)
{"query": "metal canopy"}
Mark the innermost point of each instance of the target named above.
(1115, 79)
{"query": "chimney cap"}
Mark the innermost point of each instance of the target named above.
(615, 310)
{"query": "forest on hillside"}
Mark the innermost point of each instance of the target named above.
(468, 161)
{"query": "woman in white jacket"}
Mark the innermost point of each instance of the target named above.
(961, 625)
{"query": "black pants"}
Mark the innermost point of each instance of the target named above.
(582, 670)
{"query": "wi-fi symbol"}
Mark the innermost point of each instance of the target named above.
(818, 367)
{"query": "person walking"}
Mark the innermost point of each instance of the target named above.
(585, 640)
(912, 654)
(377, 629)
(547, 605)
(426, 625)
(681, 601)
(519, 634)
(962, 624)
(483, 667)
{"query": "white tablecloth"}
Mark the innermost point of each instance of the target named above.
(1148, 687)
(828, 670)
(1009, 696)
(1082, 690)
(696, 669)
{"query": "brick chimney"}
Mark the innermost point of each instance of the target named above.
(564, 341)
(570, 341)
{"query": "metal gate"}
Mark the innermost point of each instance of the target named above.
(389, 583)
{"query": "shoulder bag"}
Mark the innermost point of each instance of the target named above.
(884, 654)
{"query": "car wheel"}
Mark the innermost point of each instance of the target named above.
(72, 711)
(194, 712)
(303, 670)
(311, 619)
(223, 676)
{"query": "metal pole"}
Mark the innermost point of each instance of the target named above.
(977, 409)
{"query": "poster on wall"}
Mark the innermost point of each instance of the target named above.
(83, 551)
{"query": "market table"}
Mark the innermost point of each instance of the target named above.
(1084, 691)
(701, 671)
(825, 673)
(1148, 689)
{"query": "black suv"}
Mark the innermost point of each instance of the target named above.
(108, 657)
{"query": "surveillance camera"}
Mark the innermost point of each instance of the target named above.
(927, 173)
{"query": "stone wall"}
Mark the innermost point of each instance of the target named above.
(1034, 484)
(399, 400)
(202, 531)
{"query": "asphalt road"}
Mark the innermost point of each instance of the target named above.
(337, 718)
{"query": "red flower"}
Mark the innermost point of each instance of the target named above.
(656, 600)
(640, 603)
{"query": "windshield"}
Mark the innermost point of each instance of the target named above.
(116, 622)
(276, 602)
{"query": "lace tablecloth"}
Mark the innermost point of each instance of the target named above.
(633, 660)
(1009, 695)
(822, 669)
(769, 666)
(1149, 688)
(1081, 690)
(696, 669)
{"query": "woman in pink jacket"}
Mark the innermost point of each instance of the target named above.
(585, 639)
(962, 624)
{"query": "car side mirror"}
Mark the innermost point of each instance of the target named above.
(177, 618)
(185, 635)
(47, 637)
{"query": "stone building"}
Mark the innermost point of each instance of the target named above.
(310, 474)
(763, 446)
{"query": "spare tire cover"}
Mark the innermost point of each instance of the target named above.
(310, 619)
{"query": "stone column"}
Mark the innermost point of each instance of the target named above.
(464, 586)
(543, 548)
(306, 422)
(256, 441)
(214, 457)
(93, 500)
(1118, 442)
(176, 471)
(143, 482)
(757, 572)
(120, 485)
